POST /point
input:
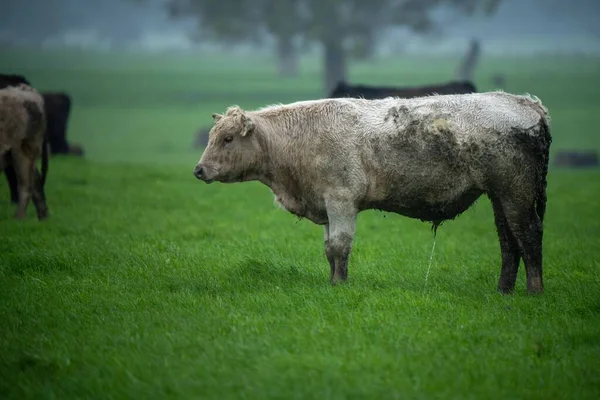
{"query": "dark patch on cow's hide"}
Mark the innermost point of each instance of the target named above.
(35, 119)
(398, 114)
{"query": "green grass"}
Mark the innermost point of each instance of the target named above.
(145, 283)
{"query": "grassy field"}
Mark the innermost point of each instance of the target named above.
(146, 283)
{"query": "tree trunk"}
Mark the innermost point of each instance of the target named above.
(467, 66)
(366, 47)
(287, 57)
(334, 65)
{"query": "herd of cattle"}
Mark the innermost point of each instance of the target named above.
(32, 124)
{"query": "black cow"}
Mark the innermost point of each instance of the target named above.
(58, 110)
(344, 89)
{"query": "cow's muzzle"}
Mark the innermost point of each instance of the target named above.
(201, 173)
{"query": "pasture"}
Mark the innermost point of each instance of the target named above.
(146, 283)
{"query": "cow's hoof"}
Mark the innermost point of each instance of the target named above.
(338, 281)
(506, 290)
(535, 291)
(535, 285)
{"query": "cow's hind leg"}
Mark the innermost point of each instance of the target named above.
(24, 168)
(6, 166)
(526, 227)
(328, 253)
(509, 248)
(39, 197)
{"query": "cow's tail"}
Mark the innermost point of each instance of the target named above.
(544, 149)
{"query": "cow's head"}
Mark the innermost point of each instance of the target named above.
(233, 153)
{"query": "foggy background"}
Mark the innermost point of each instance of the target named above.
(517, 26)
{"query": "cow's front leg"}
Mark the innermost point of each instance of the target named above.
(339, 234)
(329, 255)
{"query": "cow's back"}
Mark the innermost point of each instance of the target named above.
(465, 116)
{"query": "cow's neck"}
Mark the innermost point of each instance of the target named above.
(281, 167)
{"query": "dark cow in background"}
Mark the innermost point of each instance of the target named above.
(201, 137)
(344, 89)
(58, 109)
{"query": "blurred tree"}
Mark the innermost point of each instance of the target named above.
(342, 27)
(466, 68)
(282, 21)
(235, 21)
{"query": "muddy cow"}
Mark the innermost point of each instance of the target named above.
(22, 133)
(344, 89)
(428, 158)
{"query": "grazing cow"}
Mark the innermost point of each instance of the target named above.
(429, 158)
(22, 133)
(343, 89)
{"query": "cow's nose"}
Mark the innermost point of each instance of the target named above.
(198, 171)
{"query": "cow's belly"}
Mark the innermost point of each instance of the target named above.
(427, 211)
(425, 198)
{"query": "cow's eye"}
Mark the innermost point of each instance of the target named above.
(228, 139)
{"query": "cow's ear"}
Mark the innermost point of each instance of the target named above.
(217, 117)
(247, 125)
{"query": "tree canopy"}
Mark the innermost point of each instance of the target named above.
(340, 26)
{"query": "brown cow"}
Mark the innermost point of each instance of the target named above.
(22, 132)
